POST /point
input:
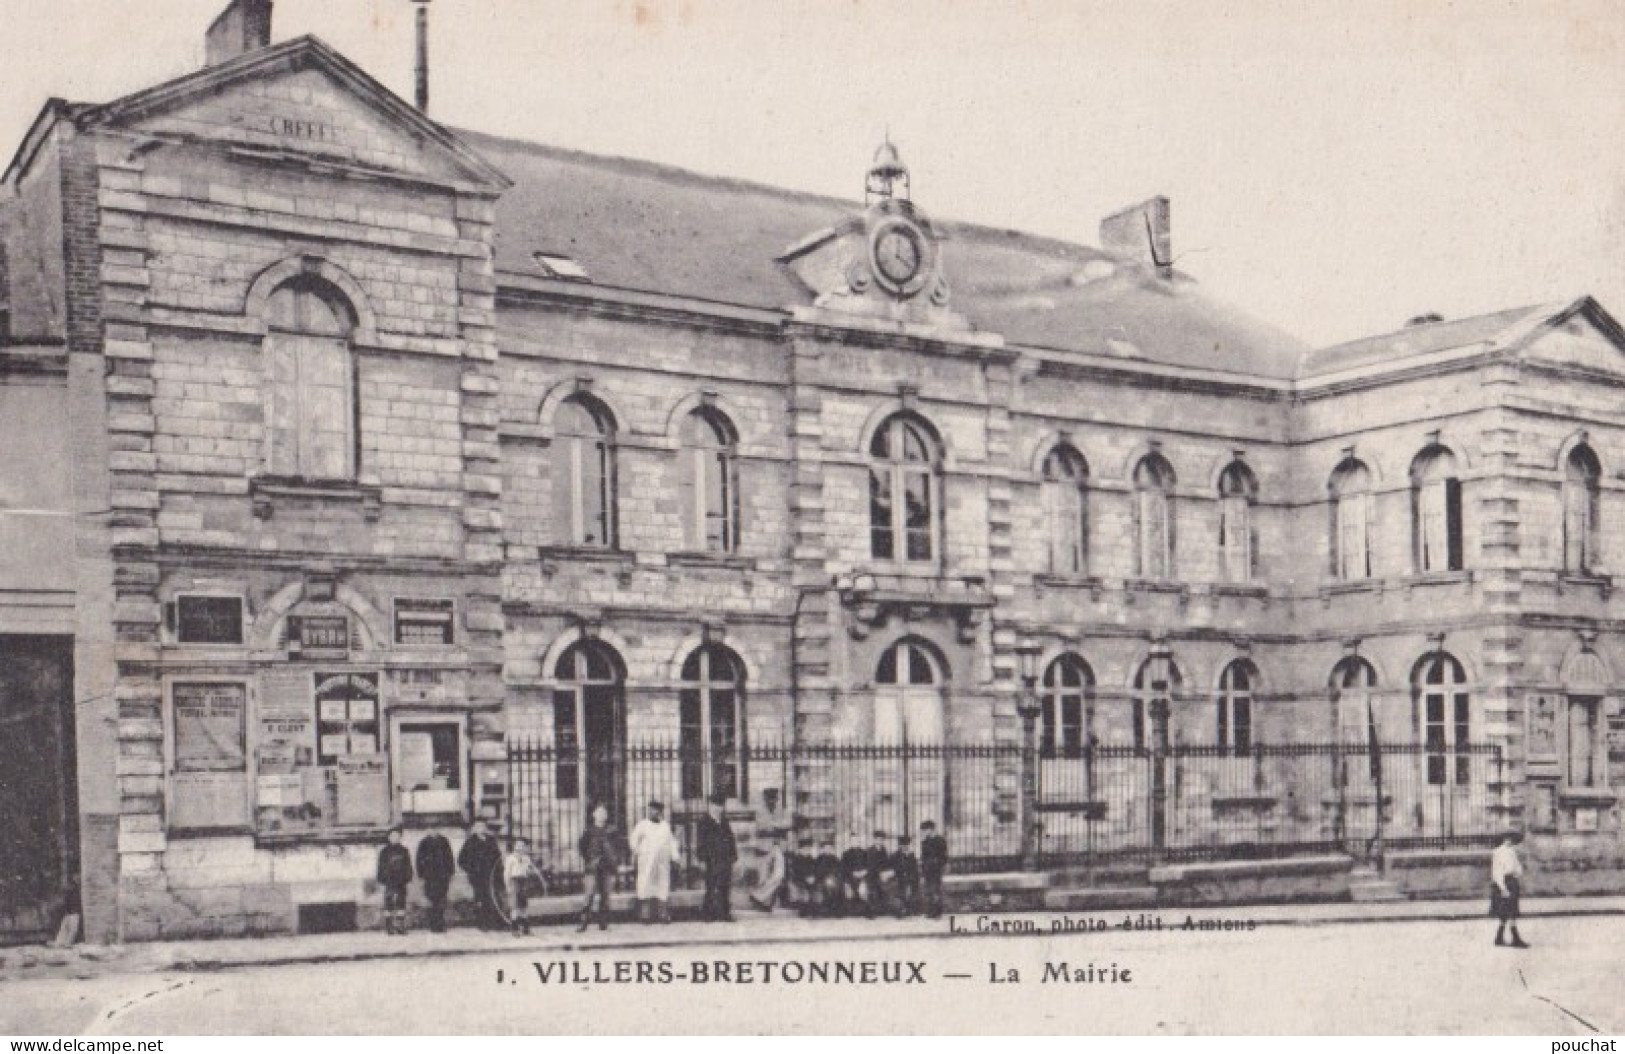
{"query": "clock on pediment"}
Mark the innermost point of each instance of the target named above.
(886, 262)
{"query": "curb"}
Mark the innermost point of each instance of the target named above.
(210, 965)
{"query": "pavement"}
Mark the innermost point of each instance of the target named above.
(752, 927)
(1408, 969)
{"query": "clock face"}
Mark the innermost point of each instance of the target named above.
(898, 254)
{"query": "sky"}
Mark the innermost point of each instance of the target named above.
(1334, 168)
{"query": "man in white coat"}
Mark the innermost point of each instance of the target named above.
(654, 850)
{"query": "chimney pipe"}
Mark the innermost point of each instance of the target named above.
(423, 56)
(1143, 233)
(244, 26)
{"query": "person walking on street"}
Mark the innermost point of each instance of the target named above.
(717, 850)
(394, 874)
(436, 868)
(654, 852)
(600, 856)
(933, 864)
(1506, 888)
(479, 858)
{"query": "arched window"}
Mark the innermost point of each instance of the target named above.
(1153, 516)
(1436, 511)
(589, 725)
(908, 704)
(584, 473)
(1068, 683)
(1154, 685)
(1582, 476)
(904, 503)
(1446, 724)
(1066, 510)
(310, 430)
(1353, 685)
(711, 717)
(1238, 489)
(709, 479)
(1352, 515)
(910, 780)
(1236, 686)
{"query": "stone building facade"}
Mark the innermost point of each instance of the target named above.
(369, 448)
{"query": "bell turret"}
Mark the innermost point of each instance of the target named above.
(888, 176)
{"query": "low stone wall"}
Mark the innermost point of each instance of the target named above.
(1253, 881)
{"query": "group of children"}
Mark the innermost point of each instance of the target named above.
(867, 880)
(814, 880)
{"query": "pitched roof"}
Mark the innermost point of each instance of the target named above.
(1423, 339)
(655, 228)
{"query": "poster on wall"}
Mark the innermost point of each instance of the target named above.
(363, 790)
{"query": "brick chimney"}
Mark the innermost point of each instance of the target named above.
(1143, 233)
(244, 26)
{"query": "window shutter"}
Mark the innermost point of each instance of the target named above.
(690, 486)
(282, 405)
(325, 411)
(563, 485)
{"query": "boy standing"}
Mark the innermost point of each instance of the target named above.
(394, 874)
(517, 871)
(933, 864)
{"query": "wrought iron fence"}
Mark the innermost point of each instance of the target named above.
(1190, 802)
(1097, 804)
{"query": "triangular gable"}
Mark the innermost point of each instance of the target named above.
(1581, 334)
(302, 97)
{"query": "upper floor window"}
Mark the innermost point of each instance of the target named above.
(904, 498)
(1153, 517)
(584, 473)
(310, 406)
(1067, 684)
(1235, 709)
(1436, 511)
(1582, 476)
(1238, 489)
(1352, 509)
(1065, 510)
(1442, 684)
(709, 481)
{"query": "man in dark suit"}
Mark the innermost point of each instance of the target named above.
(717, 850)
(479, 858)
(933, 864)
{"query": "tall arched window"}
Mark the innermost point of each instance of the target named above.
(711, 718)
(1446, 724)
(1582, 476)
(1235, 706)
(1066, 510)
(910, 784)
(1153, 516)
(709, 482)
(1353, 685)
(1352, 515)
(1238, 489)
(1154, 685)
(1436, 511)
(904, 503)
(310, 430)
(1064, 698)
(584, 473)
(589, 725)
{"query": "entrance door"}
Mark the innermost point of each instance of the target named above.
(911, 772)
(39, 812)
